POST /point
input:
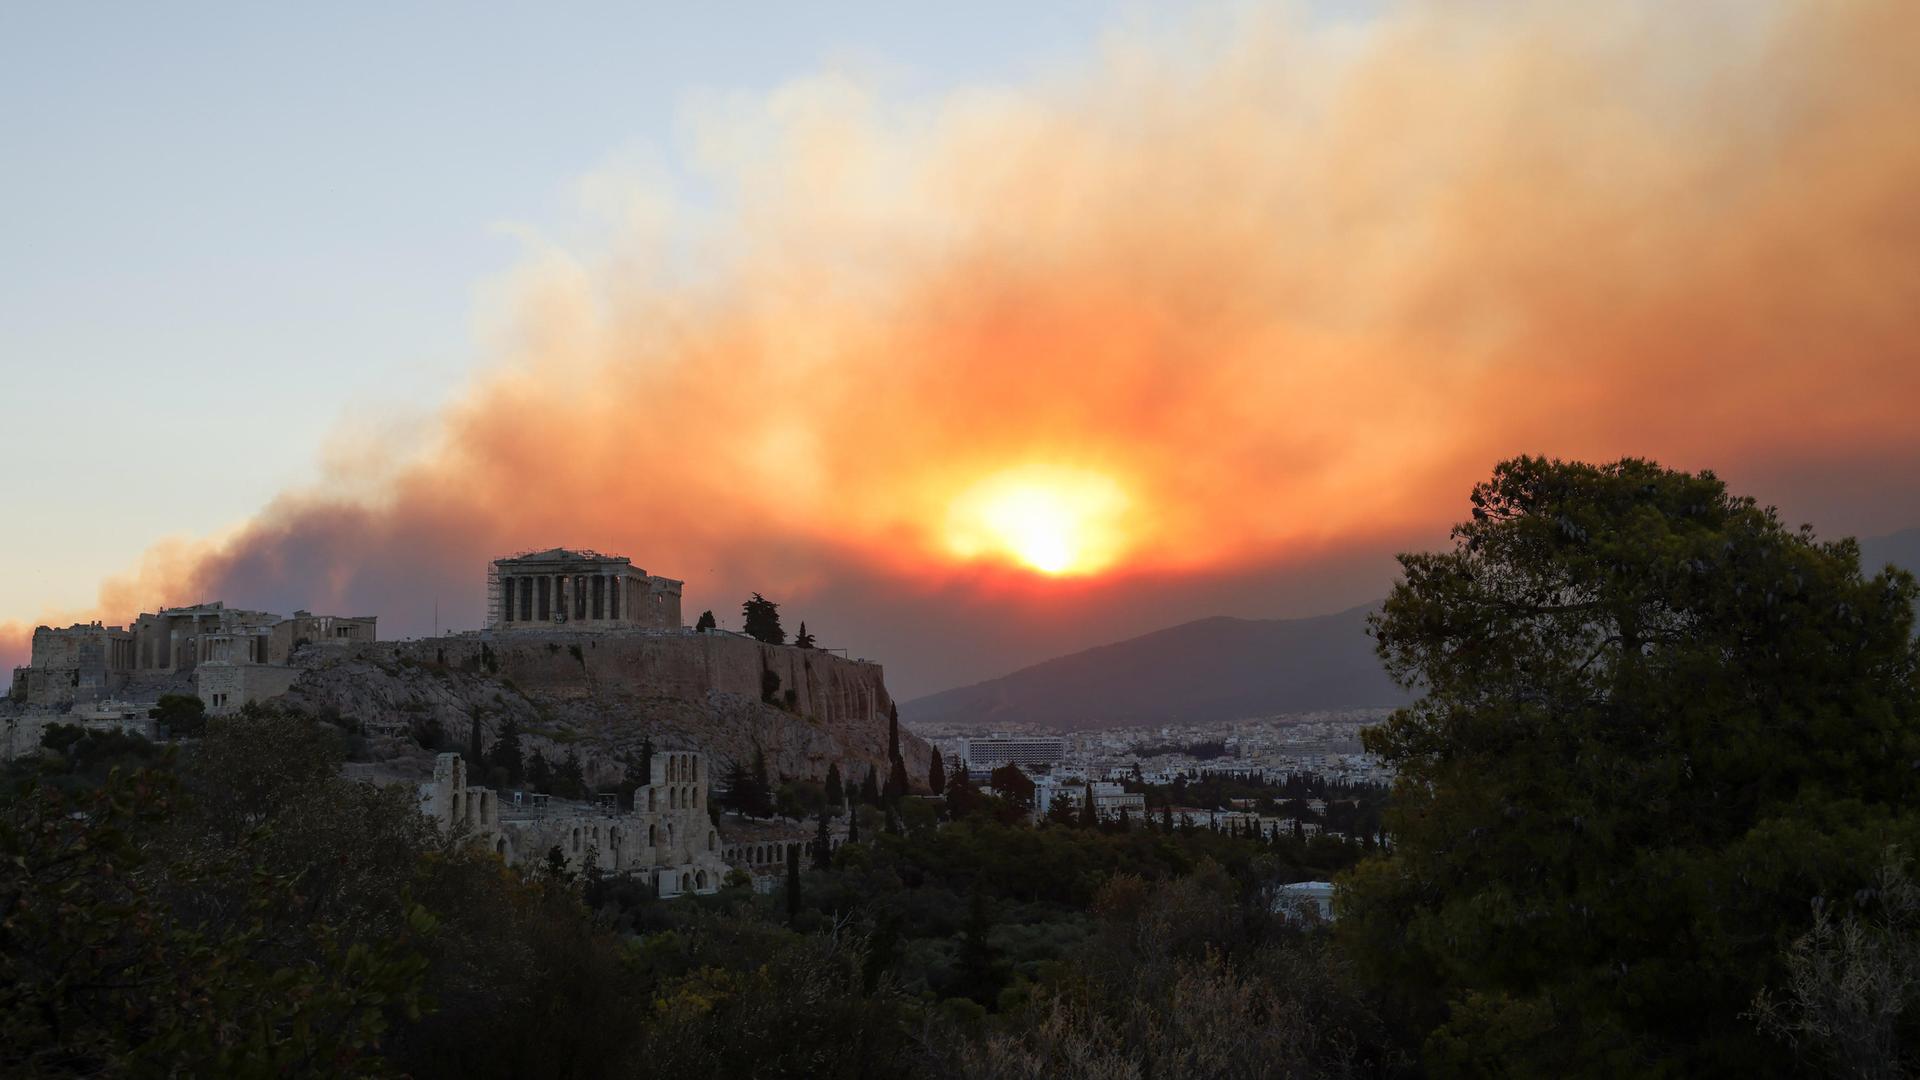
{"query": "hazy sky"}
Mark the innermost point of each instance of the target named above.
(972, 332)
(227, 229)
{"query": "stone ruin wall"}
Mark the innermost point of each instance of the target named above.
(668, 840)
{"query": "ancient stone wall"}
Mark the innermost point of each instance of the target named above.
(685, 665)
(667, 840)
(225, 687)
(79, 663)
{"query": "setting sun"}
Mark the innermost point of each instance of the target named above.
(1054, 520)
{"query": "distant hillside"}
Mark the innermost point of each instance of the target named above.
(1902, 549)
(1214, 669)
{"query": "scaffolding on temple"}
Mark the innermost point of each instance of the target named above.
(495, 610)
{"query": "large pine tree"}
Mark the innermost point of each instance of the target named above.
(1654, 724)
(761, 620)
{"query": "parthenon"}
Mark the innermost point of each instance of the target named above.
(582, 589)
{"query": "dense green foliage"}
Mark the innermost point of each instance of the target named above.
(181, 714)
(1655, 724)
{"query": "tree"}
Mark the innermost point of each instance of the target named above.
(896, 782)
(870, 789)
(823, 845)
(853, 824)
(1010, 781)
(962, 797)
(1849, 982)
(937, 774)
(793, 881)
(476, 756)
(769, 686)
(121, 957)
(803, 640)
(836, 792)
(893, 732)
(762, 620)
(705, 622)
(1089, 817)
(761, 788)
(506, 751)
(539, 772)
(1653, 722)
(181, 714)
(977, 968)
(572, 777)
(1166, 818)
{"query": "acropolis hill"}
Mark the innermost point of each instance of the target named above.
(593, 660)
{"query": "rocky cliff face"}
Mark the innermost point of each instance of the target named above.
(601, 694)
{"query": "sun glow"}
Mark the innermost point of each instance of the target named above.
(1054, 520)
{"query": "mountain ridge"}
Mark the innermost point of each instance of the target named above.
(1220, 667)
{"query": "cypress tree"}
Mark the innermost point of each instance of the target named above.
(893, 732)
(836, 792)
(1166, 817)
(937, 775)
(476, 759)
(896, 782)
(506, 751)
(823, 845)
(1089, 818)
(793, 881)
(870, 789)
(853, 824)
(760, 789)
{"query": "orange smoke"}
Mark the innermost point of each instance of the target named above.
(1263, 288)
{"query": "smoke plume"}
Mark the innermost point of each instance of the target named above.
(1287, 289)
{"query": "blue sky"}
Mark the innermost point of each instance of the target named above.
(225, 230)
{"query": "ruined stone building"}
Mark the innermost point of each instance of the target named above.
(582, 590)
(668, 839)
(229, 656)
